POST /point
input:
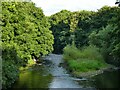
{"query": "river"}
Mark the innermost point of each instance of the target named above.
(51, 75)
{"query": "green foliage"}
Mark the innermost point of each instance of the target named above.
(103, 16)
(60, 28)
(25, 35)
(66, 28)
(71, 52)
(10, 66)
(83, 60)
(83, 28)
(9, 74)
(105, 39)
(27, 27)
(90, 52)
(116, 39)
(85, 65)
(81, 38)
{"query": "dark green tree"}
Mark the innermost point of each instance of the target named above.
(60, 28)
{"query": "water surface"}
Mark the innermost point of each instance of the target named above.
(51, 75)
(35, 77)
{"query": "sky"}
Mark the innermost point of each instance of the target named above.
(50, 7)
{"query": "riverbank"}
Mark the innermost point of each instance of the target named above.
(91, 74)
(86, 63)
(31, 63)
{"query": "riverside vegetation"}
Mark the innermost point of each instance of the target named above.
(90, 39)
(85, 60)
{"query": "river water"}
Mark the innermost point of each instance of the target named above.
(52, 75)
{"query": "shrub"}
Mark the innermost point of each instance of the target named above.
(10, 73)
(85, 65)
(71, 52)
(90, 52)
(87, 59)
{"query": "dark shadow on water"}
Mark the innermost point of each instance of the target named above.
(109, 80)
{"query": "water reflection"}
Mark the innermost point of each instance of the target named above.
(36, 77)
(104, 81)
(109, 79)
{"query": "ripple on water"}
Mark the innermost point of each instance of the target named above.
(61, 78)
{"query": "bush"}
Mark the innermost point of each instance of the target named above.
(83, 60)
(71, 52)
(10, 73)
(90, 52)
(85, 65)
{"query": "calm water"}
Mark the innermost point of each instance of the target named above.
(109, 79)
(104, 81)
(36, 77)
(51, 75)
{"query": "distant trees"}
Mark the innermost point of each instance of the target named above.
(25, 35)
(60, 28)
(66, 27)
(99, 28)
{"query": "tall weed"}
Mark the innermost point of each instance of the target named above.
(90, 52)
(87, 59)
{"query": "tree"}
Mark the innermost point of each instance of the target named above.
(60, 28)
(25, 32)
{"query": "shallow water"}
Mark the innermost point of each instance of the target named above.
(61, 78)
(52, 75)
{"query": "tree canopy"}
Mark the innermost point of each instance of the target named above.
(25, 35)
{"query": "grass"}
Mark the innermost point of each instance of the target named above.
(85, 65)
(84, 60)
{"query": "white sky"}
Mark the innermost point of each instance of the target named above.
(53, 6)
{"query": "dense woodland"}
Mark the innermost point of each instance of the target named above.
(28, 34)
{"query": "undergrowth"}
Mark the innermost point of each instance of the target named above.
(84, 60)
